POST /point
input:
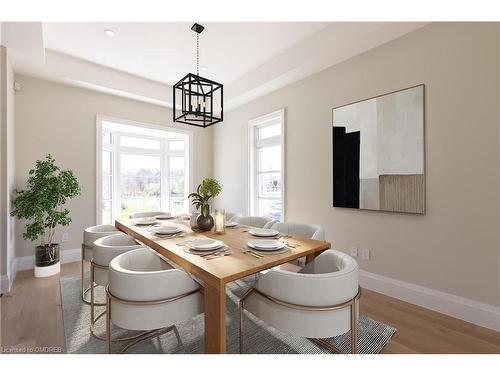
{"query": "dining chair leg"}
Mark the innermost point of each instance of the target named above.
(83, 274)
(354, 327)
(92, 270)
(241, 327)
(177, 335)
(108, 324)
(147, 336)
(86, 288)
(326, 345)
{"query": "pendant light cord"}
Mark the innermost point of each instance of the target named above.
(197, 54)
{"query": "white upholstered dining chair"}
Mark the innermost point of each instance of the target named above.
(145, 293)
(90, 235)
(139, 215)
(105, 249)
(312, 231)
(319, 302)
(230, 216)
(255, 221)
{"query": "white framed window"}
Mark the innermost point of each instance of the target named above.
(267, 165)
(141, 167)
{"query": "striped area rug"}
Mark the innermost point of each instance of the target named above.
(259, 337)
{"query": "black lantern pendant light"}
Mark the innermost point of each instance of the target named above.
(197, 100)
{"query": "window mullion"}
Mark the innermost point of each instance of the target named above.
(268, 172)
(268, 142)
(165, 176)
(115, 172)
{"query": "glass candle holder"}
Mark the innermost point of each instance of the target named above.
(192, 221)
(220, 221)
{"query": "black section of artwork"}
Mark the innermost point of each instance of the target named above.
(346, 151)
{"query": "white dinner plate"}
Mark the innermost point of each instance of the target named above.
(167, 229)
(205, 245)
(231, 224)
(144, 221)
(164, 217)
(266, 245)
(200, 253)
(261, 232)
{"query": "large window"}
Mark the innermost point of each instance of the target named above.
(141, 168)
(266, 134)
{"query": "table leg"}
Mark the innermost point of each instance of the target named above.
(310, 257)
(215, 319)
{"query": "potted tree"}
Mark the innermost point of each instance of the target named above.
(41, 204)
(207, 190)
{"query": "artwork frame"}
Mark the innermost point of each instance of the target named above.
(378, 152)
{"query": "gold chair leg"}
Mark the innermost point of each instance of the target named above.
(326, 345)
(354, 327)
(85, 289)
(83, 274)
(176, 331)
(148, 335)
(354, 333)
(108, 324)
(241, 327)
(92, 313)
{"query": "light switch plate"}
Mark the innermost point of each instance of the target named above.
(365, 254)
(65, 237)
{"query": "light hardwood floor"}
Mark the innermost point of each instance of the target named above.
(31, 317)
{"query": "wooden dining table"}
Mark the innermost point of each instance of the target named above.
(216, 272)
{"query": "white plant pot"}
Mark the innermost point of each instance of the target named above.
(48, 270)
(47, 260)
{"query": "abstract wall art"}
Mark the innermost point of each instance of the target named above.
(378, 153)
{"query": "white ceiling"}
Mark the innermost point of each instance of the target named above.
(143, 60)
(165, 52)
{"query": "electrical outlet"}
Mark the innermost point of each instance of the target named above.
(365, 255)
(65, 237)
(354, 251)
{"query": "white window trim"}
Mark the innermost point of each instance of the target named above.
(252, 172)
(99, 128)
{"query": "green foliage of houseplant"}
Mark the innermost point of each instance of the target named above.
(207, 190)
(41, 204)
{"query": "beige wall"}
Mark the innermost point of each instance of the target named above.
(453, 248)
(61, 120)
(7, 227)
(498, 147)
(2, 214)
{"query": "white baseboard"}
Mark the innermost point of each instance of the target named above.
(462, 308)
(28, 262)
(5, 283)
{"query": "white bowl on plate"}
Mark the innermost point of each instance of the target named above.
(167, 229)
(261, 232)
(266, 245)
(205, 245)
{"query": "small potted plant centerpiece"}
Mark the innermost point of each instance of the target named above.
(41, 204)
(207, 190)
